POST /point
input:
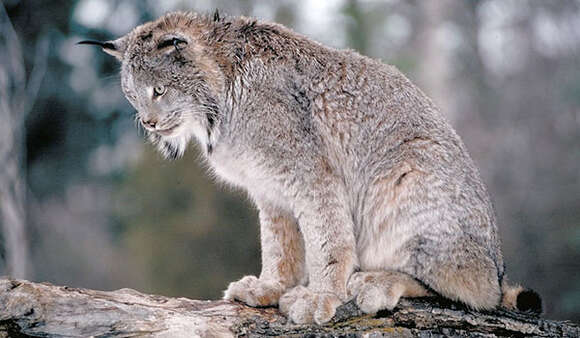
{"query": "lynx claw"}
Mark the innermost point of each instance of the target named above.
(254, 291)
(303, 306)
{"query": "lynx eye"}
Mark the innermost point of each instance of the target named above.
(158, 91)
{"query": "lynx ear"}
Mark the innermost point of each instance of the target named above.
(115, 48)
(175, 41)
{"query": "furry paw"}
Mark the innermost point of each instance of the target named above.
(371, 299)
(373, 294)
(254, 291)
(302, 306)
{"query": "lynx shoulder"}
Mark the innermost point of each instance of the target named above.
(364, 190)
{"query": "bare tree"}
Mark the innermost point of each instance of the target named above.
(17, 94)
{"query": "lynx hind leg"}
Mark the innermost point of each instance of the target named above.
(380, 290)
(463, 272)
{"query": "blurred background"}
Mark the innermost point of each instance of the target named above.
(85, 202)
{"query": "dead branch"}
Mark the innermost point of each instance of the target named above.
(41, 309)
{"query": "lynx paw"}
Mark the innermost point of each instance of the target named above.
(254, 291)
(372, 295)
(303, 306)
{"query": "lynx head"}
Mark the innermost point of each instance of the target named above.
(170, 77)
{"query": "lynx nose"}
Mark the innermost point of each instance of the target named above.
(149, 122)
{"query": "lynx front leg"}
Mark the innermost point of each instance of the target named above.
(282, 261)
(330, 255)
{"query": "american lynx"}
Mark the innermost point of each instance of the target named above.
(364, 189)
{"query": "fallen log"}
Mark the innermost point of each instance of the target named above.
(42, 309)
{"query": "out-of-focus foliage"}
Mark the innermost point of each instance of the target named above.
(177, 224)
(106, 212)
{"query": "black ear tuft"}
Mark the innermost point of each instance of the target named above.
(104, 44)
(529, 301)
(216, 15)
(115, 48)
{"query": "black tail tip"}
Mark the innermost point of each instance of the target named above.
(529, 301)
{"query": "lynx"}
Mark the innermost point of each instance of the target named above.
(364, 190)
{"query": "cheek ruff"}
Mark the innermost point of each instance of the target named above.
(173, 145)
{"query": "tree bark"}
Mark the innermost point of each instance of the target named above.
(41, 309)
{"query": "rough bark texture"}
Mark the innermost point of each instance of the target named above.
(40, 309)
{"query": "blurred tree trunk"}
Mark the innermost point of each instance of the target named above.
(434, 57)
(358, 32)
(17, 94)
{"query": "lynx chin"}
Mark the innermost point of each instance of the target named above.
(364, 190)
